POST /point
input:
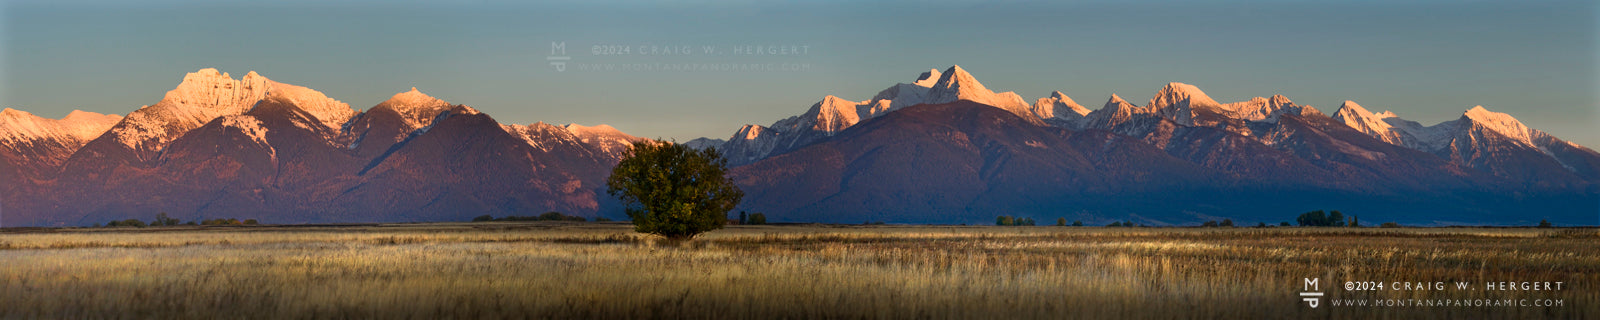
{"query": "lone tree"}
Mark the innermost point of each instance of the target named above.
(673, 190)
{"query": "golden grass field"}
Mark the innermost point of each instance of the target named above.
(604, 270)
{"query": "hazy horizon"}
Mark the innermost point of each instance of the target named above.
(1427, 61)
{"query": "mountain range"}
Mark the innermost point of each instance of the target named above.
(941, 149)
(218, 147)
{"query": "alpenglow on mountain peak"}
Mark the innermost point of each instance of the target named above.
(416, 108)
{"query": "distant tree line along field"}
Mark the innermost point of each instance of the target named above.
(547, 216)
(162, 220)
(1318, 218)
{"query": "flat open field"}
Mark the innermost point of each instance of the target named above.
(604, 270)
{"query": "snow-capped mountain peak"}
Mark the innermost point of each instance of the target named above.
(1500, 123)
(78, 127)
(1176, 93)
(900, 95)
(603, 130)
(464, 109)
(750, 132)
(1376, 125)
(330, 114)
(927, 79)
(413, 98)
(207, 94)
(956, 84)
(1455, 138)
(415, 108)
(1351, 111)
(603, 138)
(1058, 105)
(1116, 102)
(1258, 108)
(50, 141)
(833, 114)
(1278, 100)
(1177, 101)
(956, 80)
(210, 90)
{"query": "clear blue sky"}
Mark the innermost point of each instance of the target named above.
(1426, 60)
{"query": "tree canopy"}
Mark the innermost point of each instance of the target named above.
(673, 190)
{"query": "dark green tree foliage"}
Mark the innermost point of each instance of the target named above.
(552, 216)
(1077, 223)
(547, 216)
(126, 223)
(758, 218)
(1061, 222)
(673, 190)
(1013, 221)
(1312, 219)
(222, 222)
(743, 218)
(1545, 224)
(1209, 224)
(1322, 219)
(163, 220)
(1227, 222)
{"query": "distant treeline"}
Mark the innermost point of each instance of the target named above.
(163, 220)
(547, 216)
(1318, 218)
(756, 218)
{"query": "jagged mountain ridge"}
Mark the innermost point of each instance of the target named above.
(1262, 145)
(1181, 104)
(219, 147)
(45, 141)
(1480, 138)
(832, 114)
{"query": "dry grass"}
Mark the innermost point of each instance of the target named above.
(567, 270)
